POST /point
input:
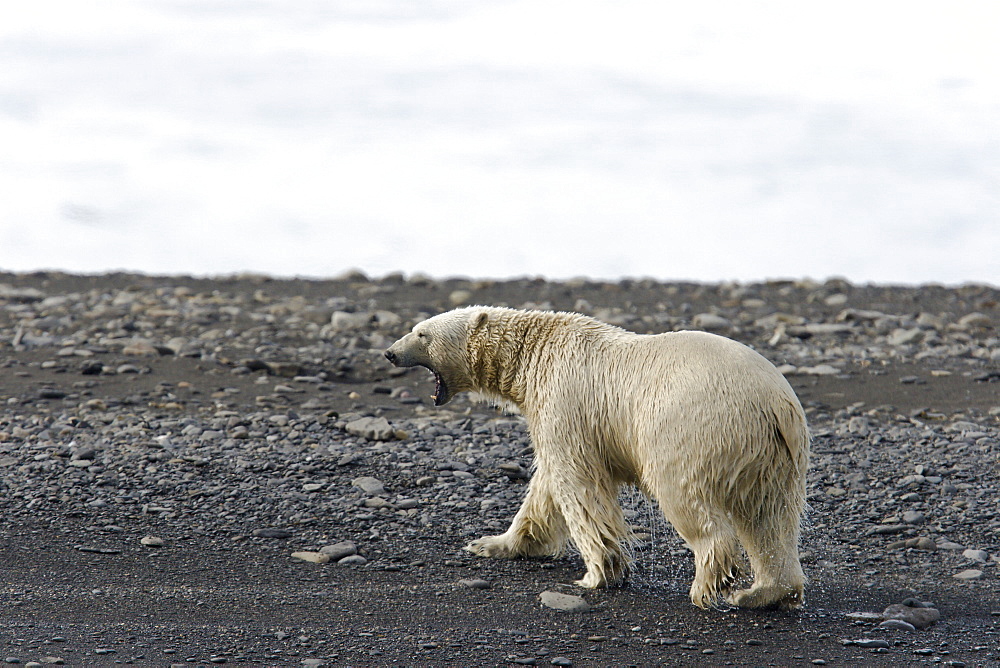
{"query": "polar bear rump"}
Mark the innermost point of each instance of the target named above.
(702, 424)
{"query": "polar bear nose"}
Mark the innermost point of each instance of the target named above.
(391, 356)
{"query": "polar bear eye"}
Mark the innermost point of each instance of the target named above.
(422, 336)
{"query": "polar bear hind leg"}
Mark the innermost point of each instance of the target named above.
(718, 560)
(774, 560)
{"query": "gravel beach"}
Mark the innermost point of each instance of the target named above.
(227, 471)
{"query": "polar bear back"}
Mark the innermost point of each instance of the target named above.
(666, 407)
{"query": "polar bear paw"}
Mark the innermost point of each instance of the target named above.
(591, 580)
(496, 547)
(781, 598)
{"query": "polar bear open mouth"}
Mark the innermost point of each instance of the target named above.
(440, 395)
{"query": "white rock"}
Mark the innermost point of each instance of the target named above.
(973, 320)
(982, 556)
(969, 574)
(819, 370)
(459, 297)
(566, 602)
(342, 321)
(311, 557)
(902, 337)
(371, 428)
(711, 322)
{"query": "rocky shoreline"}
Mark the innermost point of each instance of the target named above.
(206, 471)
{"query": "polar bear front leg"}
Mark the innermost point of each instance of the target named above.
(538, 528)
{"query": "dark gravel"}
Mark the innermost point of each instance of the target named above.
(168, 443)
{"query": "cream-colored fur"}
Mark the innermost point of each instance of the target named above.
(701, 423)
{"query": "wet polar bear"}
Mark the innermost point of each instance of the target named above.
(701, 423)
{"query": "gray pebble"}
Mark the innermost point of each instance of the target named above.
(915, 615)
(369, 485)
(871, 643)
(338, 551)
(352, 560)
(272, 533)
(981, 556)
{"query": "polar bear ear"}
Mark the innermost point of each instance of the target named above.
(479, 319)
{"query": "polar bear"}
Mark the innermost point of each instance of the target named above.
(702, 424)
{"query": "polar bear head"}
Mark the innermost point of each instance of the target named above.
(441, 345)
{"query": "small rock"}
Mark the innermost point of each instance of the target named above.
(819, 370)
(152, 541)
(711, 322)
(969, 574)
(902, 337)
(560, 661)
(140, 348)
(369, 485)
(871, 643)
(352, 560)
(272, 533)
(311, 557)
(565, 602)
(475, 583)
(459, 297)
(349, 458)
(913, 517)
(514, 471)
(982, 556)
(865, 616)
(920, 617)
(974, 320)
(371, 428)
(342, 321)
(51, 393)
(888, 529)
(338, 551)
(898, 625)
